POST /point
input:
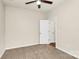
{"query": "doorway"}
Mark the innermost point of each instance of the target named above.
(47, 32)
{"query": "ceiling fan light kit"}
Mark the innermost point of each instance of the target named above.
(38, 2)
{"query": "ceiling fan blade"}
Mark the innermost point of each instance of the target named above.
(49, 2)
(39, 6)
(30, 2)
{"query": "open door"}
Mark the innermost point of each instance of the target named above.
(44, 28)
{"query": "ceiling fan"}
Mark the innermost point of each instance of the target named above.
(38, 2)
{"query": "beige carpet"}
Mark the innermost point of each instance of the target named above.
(36, 52)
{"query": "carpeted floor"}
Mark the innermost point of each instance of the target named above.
(36, 52)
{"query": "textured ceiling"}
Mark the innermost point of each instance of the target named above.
(21, 3)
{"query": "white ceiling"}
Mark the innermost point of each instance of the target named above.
(21, 3)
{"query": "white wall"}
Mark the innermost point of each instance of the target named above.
(22, 27)
(66, 16)
(2, 45)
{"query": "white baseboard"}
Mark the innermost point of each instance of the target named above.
(20, 46)
(2, 53)
(70, 53)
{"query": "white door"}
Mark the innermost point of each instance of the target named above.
(51, 31)
(44, 31)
